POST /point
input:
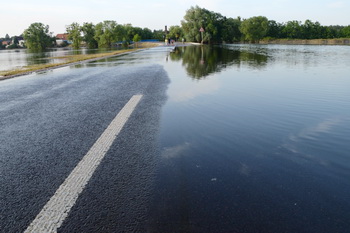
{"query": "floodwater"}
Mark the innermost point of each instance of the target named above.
(17, 58)
(255, 138)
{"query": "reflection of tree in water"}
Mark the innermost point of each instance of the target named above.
(201, 61)
(34, 58)
(43, 57)
(50, 55)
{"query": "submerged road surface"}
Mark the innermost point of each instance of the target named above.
(78, 148)
(240, 138)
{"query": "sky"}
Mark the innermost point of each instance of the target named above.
(16, 16)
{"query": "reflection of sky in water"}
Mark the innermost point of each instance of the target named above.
(252, 139)
(261, 136)
(188, 89)
(175, 151)
(312, 132)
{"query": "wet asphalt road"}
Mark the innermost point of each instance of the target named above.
(49, 122)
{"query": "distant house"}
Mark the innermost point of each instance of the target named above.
(20, 40)
(6, 42)
(63, 36)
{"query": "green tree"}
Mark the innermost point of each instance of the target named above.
(337, 31)
(146, 33)
(15, 40)
(37, 37)
(327, 32)
(74, 34)
(231, 32)
(193, 21)
(311, 30)
(274, 29)
(131, 31)
(137, 30)
(214, 28)
(158, 35)
(346, 32)
(120, 32)
(176, 32)
(7, 37)
(136, 39)
(12, 46)
(196, 18)
(254, 28)
(88, 30)
(293, 30)
(108, 32)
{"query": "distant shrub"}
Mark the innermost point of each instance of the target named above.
(13, 46)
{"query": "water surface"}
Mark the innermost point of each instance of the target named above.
(17, 58)
(255, 138)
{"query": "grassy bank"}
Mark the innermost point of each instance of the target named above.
(341, 41)
(69, 60)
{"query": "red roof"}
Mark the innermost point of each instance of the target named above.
(63, 36)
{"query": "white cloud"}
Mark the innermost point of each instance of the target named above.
(175, 151)
(322, 127)
(193, 90)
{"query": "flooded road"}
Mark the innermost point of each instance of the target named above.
(255, 139)
(17, 58)
(241, 138)
(50, 121)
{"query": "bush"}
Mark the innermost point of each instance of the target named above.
(13, 46)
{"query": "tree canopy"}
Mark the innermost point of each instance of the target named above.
(136, 39)
(88, 30)
(231, 30)
(176, 32)
(217, 29)
(255, 28)
(108, 32)
(197, 18)
(346, 31)
(37, 36)
(74, 34)
(220, 29)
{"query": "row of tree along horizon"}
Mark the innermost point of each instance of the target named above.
(217, 29)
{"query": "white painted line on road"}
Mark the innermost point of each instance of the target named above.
(57, 208)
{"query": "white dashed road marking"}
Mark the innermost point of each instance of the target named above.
(57, 208)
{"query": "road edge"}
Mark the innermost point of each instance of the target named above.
(67, 64)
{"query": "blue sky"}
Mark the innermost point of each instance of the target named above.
(16, 16)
